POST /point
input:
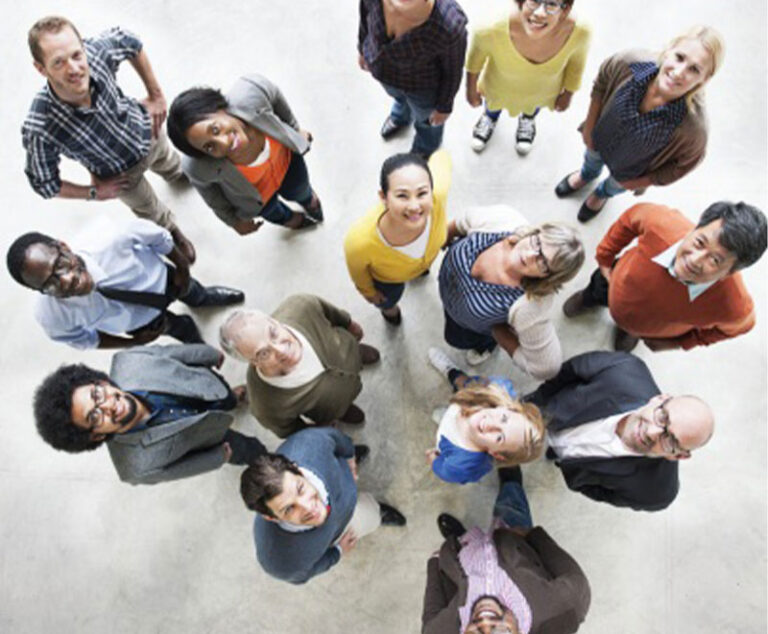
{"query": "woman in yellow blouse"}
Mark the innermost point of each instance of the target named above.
(398, 238)
(532, 58)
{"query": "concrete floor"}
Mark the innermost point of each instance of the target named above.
(80, 552)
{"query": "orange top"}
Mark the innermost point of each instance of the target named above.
(268, 176)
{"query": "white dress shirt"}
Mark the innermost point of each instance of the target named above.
(596, 439)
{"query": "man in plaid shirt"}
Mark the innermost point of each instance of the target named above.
(82, 113)
(416, 51)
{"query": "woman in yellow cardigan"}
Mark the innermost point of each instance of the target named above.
(531, 58)
(397, 239)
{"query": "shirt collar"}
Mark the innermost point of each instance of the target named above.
(667, 260)
(316, 482)
(97, 273)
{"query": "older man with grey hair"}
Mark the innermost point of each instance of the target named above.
(304, 363)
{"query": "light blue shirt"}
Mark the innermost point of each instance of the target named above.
(128, 257)
(667, 260)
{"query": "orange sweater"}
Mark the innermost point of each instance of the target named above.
(646, 301)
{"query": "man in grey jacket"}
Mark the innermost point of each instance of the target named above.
(162, 410)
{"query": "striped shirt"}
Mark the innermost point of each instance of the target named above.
(109, 137)
(427, 59)
(472, 303)
(627, 139)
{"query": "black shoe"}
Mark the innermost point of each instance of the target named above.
(353, 416)
(361, 453)
(306, 221)
(368, 354)
(314, 209)
(183, 328)
(550, 454)
(390, 128)
(586, 213)
(422, 153)
(395, 319)
(449, 526)
(390, 516)
(623, 341)
(510, 474)
(564, 188)
(221, 296)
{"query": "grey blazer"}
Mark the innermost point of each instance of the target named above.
(184, 447)
(257, 101)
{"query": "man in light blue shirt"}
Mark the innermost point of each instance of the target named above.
(114, 294)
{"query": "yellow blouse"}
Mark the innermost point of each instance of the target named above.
(369, 258)
(508, 80)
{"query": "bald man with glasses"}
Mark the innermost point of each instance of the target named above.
(615, 436)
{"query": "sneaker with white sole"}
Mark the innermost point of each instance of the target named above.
(441, 361)
(475, 357)
(482, 132)
(526, 133)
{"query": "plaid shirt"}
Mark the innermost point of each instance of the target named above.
(627, 139)
(109, 137)
(430, 58)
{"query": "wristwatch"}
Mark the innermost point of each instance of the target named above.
(92, 192)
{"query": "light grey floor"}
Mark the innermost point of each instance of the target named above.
(80, 552)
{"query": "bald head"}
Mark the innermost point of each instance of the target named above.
(693, 420)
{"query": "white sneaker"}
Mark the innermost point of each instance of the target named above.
(482, 132)
(441, 361)
(526, 133)
(476, 358)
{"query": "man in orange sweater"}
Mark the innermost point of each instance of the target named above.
(678, 287)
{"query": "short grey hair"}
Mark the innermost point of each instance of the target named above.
(231, 330)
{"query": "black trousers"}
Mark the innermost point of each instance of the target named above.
(596, 293)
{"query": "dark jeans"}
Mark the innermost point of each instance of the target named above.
(596, 293)
(393, 291)
(511, 506)
(465, 339)
(416, 107)
(494, 115)
(295, 187)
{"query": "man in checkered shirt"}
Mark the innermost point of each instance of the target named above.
(82, 113)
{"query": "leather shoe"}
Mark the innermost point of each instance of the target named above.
(390, 128)
(368, 354)
(221, 296)
(449, 526)
(564, 188)
(623, 341)
(586, 213)
(353, 416)
(314, 209)
(510, 474)
(390, 516)
(395, 319)
(574, 305)
(183, 328)
(361, 453)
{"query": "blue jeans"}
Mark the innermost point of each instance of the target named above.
(416, 107)
(590, 170)
(465, 339)
(393, 291)
(511, 506)
(295, 187)
(494, 115)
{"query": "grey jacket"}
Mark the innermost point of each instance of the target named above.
(258, 102)
(181, 448)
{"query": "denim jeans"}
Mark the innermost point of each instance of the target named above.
(416, 107)
(494, 115)
(590, 170)
(511, 506)
(465, 339)
(393, 291)
(295, 187)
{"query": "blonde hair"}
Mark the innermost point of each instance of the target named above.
(478, 397)
(712, 42)
(569, 256)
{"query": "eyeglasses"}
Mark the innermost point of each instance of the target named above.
(96, 415)
(541, 260)
(63, 265)
(667, 440)
(550, 7)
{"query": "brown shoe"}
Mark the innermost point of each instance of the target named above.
(368, 354)
(623, 341)
(353, 416)
(574, 305)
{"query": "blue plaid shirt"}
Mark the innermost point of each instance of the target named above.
(472, 303)
(107, 138)
(627, 139)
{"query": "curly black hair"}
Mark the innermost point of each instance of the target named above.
(187, 109)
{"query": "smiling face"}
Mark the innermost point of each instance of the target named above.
(701, 258)
(220, 135)
(683, 68)
(537, 23)
(500, 431)
(488, 616)
(65, 65)
(528, 257)
(298, 503)
(269, 346)
(55, 270)
(409, 198)
(103, 409)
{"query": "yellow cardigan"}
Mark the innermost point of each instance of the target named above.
(368, 258)
(508, 80)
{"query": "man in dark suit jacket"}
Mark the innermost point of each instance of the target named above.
(616, 437)
(162, 411)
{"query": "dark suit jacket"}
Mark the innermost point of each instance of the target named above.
(592, 386)
(551, 581)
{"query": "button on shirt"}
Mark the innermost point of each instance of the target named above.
(627, 139)
(596, 439)
(110, 136)
(129, 259)
(472, 303)
(666, 259)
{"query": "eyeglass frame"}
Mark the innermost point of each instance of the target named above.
(661, 419)
(52, 284)
(97, 403)
(541, 259)
(550, 7)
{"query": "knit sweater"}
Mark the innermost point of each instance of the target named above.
(297, 557)
(369, 258)
(327, 396)
(646, 301)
